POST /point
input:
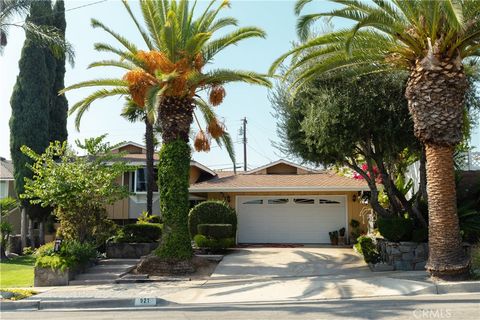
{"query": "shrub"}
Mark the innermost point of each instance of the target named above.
(139, 233)
(355, 230)
(28, 251)
(395, 228)
(212, 212)
(420, 235)
(213, 244)
(368, 249)
(215, 231)
(72, 253)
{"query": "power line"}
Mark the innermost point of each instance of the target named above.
(259, 153)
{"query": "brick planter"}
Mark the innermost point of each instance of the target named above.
(46, 277)
(403, 255)
(129, 250)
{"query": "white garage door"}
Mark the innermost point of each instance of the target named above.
(289, 219)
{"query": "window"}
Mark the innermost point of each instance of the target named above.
(256, 201)
(326, 201)
(278, 201)
(304, 201)
(139, 179)
(3, 189)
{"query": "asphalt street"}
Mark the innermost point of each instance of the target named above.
(448, 306)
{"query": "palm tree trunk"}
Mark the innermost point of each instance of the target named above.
(436, 95)
(23, 227)
(175, 118)
(447, 258)
(150, 171)
(41, 232)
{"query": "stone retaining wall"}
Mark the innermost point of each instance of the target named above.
(129, 250)
(403, 255)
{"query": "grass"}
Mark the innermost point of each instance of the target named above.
(17, 272)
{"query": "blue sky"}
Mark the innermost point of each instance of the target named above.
(275, 17)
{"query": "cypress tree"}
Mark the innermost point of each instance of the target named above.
(38, 114)
(59, 104)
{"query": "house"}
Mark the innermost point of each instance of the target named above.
(7, 189)
(129, 209)
(280, 202)
(283, 202)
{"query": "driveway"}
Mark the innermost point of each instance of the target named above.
(291, 262)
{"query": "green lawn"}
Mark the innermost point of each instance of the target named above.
(17, 272)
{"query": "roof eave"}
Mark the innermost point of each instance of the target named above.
(289, 189)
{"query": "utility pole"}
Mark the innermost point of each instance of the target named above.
(244, 120)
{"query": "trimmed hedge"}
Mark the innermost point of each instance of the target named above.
(215, 231)
(212, 212)
(139, 233)
(213, 244)
(395, 229)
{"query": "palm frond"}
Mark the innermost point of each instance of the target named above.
(83, 105)
(112, 63)
(96, 83)
(127, 44)
(223, 76)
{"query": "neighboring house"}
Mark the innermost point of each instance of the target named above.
(7, 189)
(283, 202)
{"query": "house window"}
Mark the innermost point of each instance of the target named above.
(3, 189)
(139, 179)
(304, 201)
(278, 201)
(257, 201)
(326, 201)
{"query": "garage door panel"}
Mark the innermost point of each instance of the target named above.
(289, 221)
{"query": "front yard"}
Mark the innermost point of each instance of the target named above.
(17, 272)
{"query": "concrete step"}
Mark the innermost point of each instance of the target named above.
(133, 278)
(99, 276)
(111, 268)
(118, 262)
(89, 282)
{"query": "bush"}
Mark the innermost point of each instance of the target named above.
(395, 229)
(368, 249)
(213, 244)
(139, 233)
(420, 235)
(72, 253)
(215, 231)
(212, 212)
(28, 251)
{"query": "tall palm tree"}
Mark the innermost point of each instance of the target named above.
(167, 80)
(431, 40)
(45, 35)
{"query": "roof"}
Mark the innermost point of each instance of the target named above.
(6, 169)
(281, 161)
(320, 181)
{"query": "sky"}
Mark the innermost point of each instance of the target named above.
(275, 17)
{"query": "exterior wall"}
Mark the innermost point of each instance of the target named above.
(281, 168)
(118, 210)
(132, 149)
(354, 208)
(194, 174)
(138, 204)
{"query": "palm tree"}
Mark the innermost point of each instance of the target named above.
(167, 80)
(431, 40)
(47, 36)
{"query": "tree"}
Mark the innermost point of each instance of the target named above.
(430, 40)
(349, 122)
(170, 77)
(78, 188)
(38, 113)
(43, 35)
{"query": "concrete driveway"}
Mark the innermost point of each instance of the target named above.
(291, 262)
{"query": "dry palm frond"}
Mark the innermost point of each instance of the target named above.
(139, 82)
(202, 142)
(217, 94)
(216, 128)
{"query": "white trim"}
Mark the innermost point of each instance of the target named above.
(279, 162)
(128, 143)
(345, 196)
(202, 167)
(292, 189)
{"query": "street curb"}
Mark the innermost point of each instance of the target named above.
(129, 303)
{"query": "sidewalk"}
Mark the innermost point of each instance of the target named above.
(242, 291)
